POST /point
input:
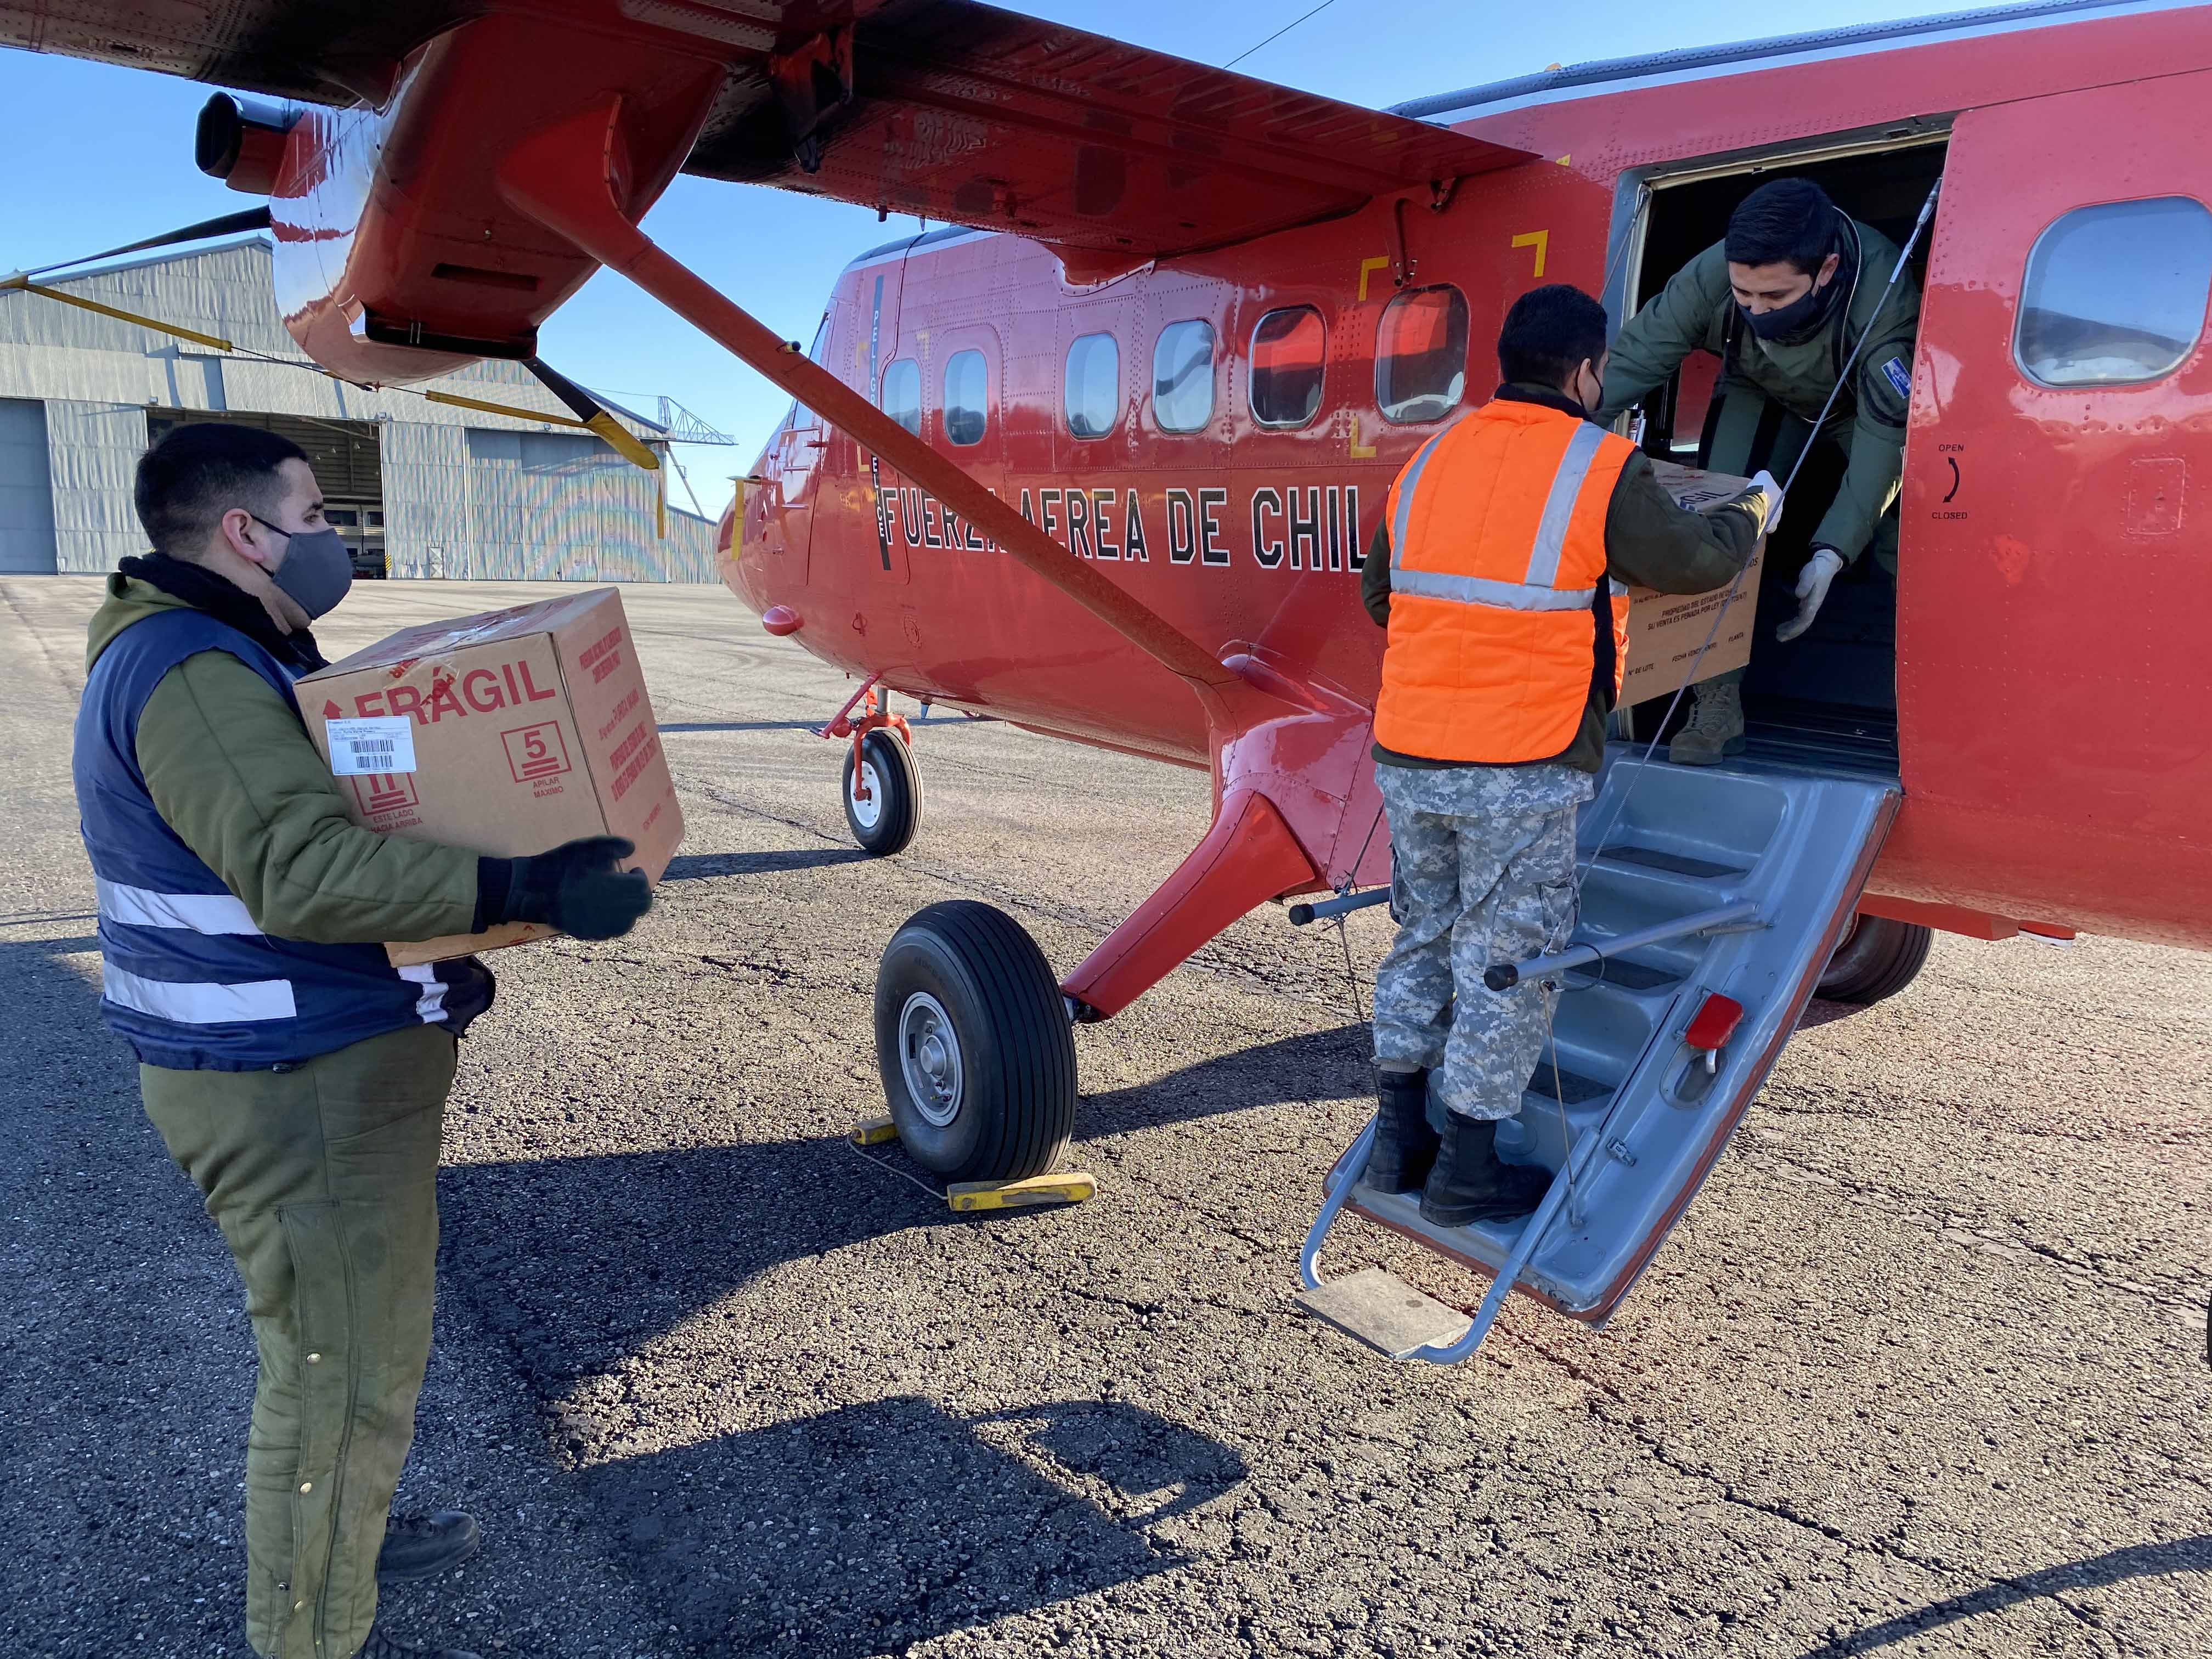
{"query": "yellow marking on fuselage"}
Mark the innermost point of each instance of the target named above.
(1369, 267)
(1539, 239)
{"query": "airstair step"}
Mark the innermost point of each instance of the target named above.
(1381, 1309)
(1674, 864)
(1555, 1083)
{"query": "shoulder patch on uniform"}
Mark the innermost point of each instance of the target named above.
(1899, 376)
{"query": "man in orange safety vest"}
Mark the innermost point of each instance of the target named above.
(1500, 570)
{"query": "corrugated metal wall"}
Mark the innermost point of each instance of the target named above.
(93, 449)
(445, 514)
(563, 506)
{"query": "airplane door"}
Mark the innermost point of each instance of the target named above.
(801, 448)
(2051, 606)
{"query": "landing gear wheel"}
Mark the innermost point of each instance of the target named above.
(885, 822)
(974, 1045)
(1877, 958)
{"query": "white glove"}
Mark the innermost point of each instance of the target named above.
(1812, 589)
(1765, 483)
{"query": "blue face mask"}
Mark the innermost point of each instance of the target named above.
(317, 569)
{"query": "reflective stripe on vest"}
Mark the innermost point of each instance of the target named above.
(202, 912)
(1499, 586)
(196, 1002)
(1535, 591)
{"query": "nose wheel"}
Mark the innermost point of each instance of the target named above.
(974, 1046)
(882, 793)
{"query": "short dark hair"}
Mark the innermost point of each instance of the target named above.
(198, 472)
(1790, 219)
(1549, 331)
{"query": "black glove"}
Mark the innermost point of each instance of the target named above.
(574, 887)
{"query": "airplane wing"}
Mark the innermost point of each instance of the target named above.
(963, 113)
(943, 108)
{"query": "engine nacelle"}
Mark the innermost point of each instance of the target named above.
(240, 141)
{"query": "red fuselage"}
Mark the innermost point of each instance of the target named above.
(2053, 573)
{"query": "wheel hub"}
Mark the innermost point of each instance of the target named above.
(869, 810)
(929, 1059)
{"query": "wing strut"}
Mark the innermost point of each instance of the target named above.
(561, 179)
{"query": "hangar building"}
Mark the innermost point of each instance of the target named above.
(429, 489)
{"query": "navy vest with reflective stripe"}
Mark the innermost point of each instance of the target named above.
(188, 980)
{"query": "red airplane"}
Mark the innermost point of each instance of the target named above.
(1103, 459)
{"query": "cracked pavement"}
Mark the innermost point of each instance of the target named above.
(1922, 1372)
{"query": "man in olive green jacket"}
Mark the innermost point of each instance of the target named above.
(292, 1071)
(1796, 286)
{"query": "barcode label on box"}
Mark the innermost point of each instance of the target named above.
(363, 747)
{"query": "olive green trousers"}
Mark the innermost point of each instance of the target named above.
(324, 1181)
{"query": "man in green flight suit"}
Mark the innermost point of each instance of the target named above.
(1784, 300)
(293, 1072)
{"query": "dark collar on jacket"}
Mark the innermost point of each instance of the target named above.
(1524, 392)
(223, 599)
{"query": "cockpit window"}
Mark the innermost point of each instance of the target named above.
(1420, 354)
(1289, 347)
(1093, 391)
(1183, 376)
(967, 408)
(903, 393)
(2115, 294)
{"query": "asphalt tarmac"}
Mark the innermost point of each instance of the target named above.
(1922, 1372)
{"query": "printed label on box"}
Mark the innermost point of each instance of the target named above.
(536, 751)
(361, 746)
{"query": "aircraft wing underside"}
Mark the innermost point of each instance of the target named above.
(943, 108)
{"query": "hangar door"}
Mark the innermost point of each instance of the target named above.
(27, 495)
(348, 461)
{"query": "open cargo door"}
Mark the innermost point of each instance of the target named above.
(1723, 885)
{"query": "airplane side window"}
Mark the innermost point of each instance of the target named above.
(1420, 354)
(966, 408)
(903, 394)
(2115, 294)
(1288, 349)
(1092, 390)
(1183, 376)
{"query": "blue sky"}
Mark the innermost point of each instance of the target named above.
(103, 155)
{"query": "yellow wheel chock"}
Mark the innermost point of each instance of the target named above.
(1064, 1186)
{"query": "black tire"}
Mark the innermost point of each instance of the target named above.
(1000, 1106)
(1877, 958)
(895, 794)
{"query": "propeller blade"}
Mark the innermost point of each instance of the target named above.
(230, 225)
(586, 408)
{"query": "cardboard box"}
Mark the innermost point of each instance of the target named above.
(508, 733)
(1666, 629)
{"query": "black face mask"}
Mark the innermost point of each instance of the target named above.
(1799, 320)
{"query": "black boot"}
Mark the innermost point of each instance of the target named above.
(423, 1546)
(1405, 1146)
(381, 1646)
(1470, 1183)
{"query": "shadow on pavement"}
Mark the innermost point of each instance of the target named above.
(1333, 1065)
(579, 1262)
(701, 867)
(2137, 1561)
(863, 1530)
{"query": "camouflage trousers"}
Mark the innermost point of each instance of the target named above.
(1485, 873)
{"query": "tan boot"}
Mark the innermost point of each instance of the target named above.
(1716, 727)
